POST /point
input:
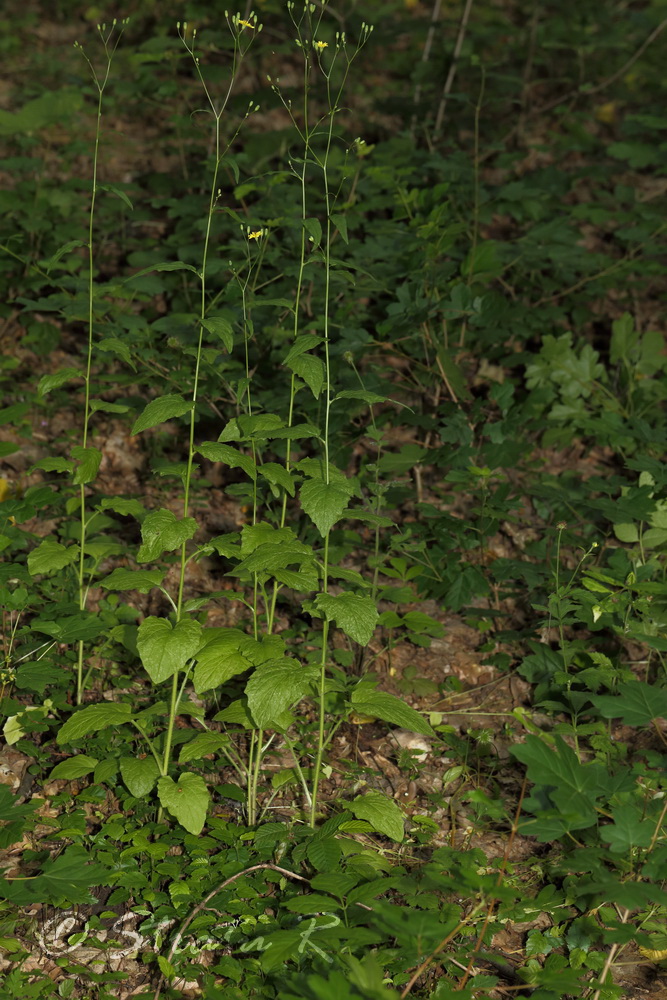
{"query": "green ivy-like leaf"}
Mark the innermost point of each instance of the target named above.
(628, 830)
(573, 787)
(187, 800)
(636, 703)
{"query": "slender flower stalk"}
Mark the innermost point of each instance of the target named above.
(110, 40)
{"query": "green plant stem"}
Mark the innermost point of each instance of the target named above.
(101, 86)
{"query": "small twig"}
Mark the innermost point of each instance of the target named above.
(428, 44)
(609, 961)
(202, 905)
(579, 92)
(503, 865)
(451, 75)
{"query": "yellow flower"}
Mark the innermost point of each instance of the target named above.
(321, 45)
(245, 24)
(256, 234)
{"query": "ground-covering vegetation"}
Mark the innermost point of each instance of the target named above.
(333, 507)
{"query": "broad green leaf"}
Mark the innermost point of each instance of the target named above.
(387, 707)
(11, 809)
(270, 557)
(368, 517)
(88, 464)
(187, 800)
(38, 675)
(628, 533)
(236, 714)
(304, 342)
(304, 580)
(356, 616)
(54, 464)
(202, 745)
(50, 556)
(102, 548)
(118, 347)
(164, 648)
(119, 505)
(274, 688)
(61, 251)
(161, 531)
(314, 468)
(166, 968)
(214, 451)
(139, 775)
(314, 229)
(105, 770)
(636, 703)
(220, 327)
(65, 878)
(312, 902)
(573, 787)
(628, 830)
(295, 432)
(75, 767)
(324, 503)
(49, 382)
(278, 475)
(93, 718)
(128, 579)
(102, 406)
(174, 265)
(311, 370)
(71, 628)
(382, 813)
(118, 192)
(367, 397)
(324, 855)
(261, 533)
(161, 409)
(340, 222)
(215, 666)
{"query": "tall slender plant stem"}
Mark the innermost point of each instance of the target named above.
(100, 84)
(333, 96)
(219, 153)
